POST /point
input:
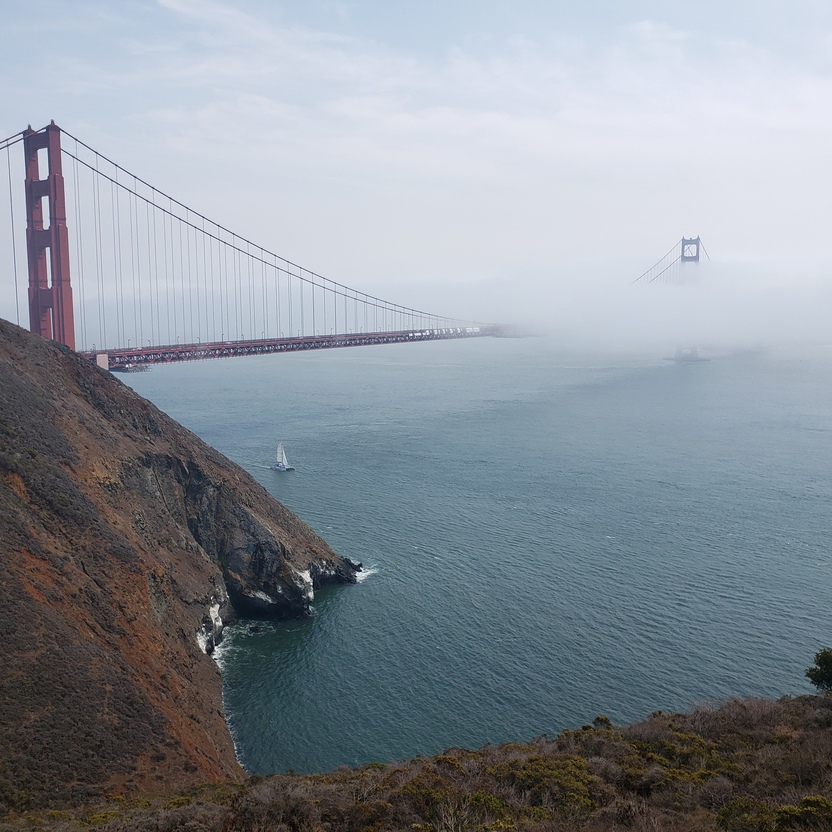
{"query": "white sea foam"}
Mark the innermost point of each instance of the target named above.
(365, 573)
(219, 654)
(225, 649)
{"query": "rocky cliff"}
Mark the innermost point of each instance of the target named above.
(126, 542)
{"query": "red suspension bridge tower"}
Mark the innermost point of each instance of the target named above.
(50, 293)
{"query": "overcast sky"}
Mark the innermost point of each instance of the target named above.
(417, 148)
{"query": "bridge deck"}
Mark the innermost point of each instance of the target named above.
(126, 359)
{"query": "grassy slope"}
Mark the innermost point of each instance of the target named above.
(747, 766)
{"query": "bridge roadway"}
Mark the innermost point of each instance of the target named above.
(137, 358)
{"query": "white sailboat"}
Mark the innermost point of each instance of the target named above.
(282, 464)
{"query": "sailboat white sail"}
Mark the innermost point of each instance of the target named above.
(282, 464)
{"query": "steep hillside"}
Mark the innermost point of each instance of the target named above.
(747, 766)
(125, 542)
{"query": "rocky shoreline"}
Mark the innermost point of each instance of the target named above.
(128, 543)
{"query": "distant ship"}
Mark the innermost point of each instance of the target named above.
(282, 463)
(688, 354)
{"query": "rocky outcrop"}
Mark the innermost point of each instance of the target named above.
(126, 543)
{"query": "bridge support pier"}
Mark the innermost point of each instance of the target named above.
(50, 303)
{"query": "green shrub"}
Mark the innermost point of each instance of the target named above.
(745, 815)
(811, 813)
(564, 781)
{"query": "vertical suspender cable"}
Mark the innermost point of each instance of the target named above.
(245, 302)
(222, 272)
(153, 261)
(314, 323)
(277, 296)
(234, 263)
(208, 328)
(140, 332)
(150, 267)
(99, 260)
(182, 284)
(289, 300)
(252, 271)
(229, 299)
(245, 305)
(203, 274)
(133, 246)
(193, 279)
(252, 322)
(302, 288)
(222, 257)
(79, 250)
(116, 271)
(156, 276)
(252, 312)
(14, 250)
(246, 327)
(116, 217)
(243, 322)
(226, 301)
(239, 312)
(187, 230)
(213, 294)
(218, 284)
(265, 294)
(170, 288)
(247, 298)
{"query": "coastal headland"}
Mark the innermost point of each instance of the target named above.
(127, 543)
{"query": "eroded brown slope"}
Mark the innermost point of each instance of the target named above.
(121, 533)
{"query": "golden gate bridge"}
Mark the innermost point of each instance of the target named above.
(155, 281)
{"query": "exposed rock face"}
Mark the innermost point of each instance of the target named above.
(125, 543)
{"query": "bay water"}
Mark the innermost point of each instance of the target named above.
(546, 538)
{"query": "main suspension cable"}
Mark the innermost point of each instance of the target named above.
(342, 289)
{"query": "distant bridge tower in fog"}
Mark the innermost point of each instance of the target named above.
(673, 267)
(690, 249)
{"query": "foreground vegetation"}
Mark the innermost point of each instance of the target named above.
(747, 766)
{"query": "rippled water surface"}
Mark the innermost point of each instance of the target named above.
(547, 538)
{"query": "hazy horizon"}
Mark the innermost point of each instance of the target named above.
(520, 162)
